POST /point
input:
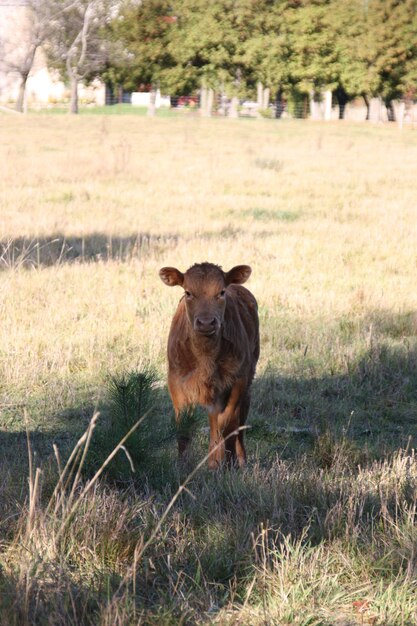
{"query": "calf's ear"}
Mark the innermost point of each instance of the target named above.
(238, 275)
(171, 276)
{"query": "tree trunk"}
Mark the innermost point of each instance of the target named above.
(368, 106)
(203, 101)
(390, 110)
(342, 100)
(74, 94)
(279, 105)
(20, 102)
(314, 106)
(152, 102)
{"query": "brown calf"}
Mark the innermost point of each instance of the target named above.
(213, 348)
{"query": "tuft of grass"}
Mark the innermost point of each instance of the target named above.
(329, 451)
(276, 165)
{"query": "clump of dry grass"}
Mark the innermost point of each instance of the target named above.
(291, 543)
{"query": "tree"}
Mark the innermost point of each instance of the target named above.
(182, 45)
(356, 53)
(207, 46)
(266, 50)
(313, 61)
(377, 48)
(394, 27)
(142, 32)
(77, 44)
(33, 26)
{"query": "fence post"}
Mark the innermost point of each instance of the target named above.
(210, 97)
(233, 112)
(328, 105)
(401, 114)
(203, 101)
(260, 91)
(265, 103)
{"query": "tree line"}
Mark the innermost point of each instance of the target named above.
(285, 49)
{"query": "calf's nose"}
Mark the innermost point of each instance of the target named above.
(205, 324)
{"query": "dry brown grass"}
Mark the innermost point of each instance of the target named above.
(330, 232)
(90, 209)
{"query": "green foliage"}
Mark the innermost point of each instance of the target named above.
(313, 54)
(266, 49)
(266, 113)
(186, 426)
(357, 73)
(130, 397)
(377, 47)
(393, 31)
(207, 44)
(143, 30)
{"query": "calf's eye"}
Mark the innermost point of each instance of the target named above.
(221, 294)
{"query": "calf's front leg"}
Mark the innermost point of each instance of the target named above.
(182, 414)
(225, 443)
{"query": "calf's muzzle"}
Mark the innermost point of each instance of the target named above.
(206, 325)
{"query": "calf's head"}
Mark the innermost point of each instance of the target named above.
(205, 292)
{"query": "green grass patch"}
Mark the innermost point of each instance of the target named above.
(113, 109)
(266, 215)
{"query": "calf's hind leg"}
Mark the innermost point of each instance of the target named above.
(240, 444)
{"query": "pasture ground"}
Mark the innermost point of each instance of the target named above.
(320, 527)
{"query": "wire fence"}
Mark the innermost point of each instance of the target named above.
(402, 111)
(221, 105)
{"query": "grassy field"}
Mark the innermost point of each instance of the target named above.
(320, 527)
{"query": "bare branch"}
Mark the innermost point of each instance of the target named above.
(84, 33)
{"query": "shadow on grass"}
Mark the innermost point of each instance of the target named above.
(374, 403)
(57, 249)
